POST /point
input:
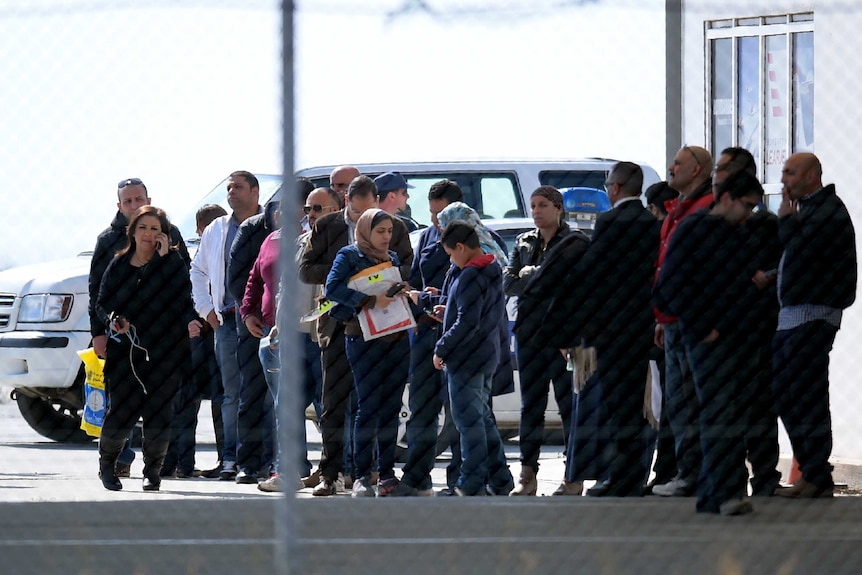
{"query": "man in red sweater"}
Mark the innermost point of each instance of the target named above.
(691, 175)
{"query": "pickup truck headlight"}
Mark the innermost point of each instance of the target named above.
(44, 308)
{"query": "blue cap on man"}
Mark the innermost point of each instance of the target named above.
(390, 181)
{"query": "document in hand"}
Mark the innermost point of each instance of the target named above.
(377, 322)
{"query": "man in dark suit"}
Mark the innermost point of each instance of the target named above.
(609, 307)
(331, 233)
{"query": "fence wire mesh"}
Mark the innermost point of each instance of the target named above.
(565, 363)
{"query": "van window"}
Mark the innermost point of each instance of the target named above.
(573, 179)
(491, 194)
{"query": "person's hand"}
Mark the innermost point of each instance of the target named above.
(120, 325)
(432, 290)
(762, 280)
(255, 326)
(414, 296)
(527, 271)
(565, 354)
(658, 339)
(438, 362)
(100, 345)
(713, 335)
(439, 312)
(382, 300)
(195, 327)
(788, 205)
(212, 319)
(162, 244)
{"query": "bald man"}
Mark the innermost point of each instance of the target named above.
(816, 282)
(340, 179)
(690, 174)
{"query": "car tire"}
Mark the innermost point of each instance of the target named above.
(52, 419)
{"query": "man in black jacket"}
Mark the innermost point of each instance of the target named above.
(131, 195)
(610, 307)
(703, 282)
(816, 282)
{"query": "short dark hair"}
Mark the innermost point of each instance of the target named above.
(446, 190)
(362, 187)
(659, 193)
(459, 232)
(741, 160)
(631, 177)
(304, 186)
(249, 177)
(740, 185)
(207, 213)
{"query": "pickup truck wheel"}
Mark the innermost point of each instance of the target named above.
(52, 419)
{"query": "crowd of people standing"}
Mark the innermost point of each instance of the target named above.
(738, 308)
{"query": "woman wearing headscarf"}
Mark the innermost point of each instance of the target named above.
(491, 243)
(380, 366)
(538, 366)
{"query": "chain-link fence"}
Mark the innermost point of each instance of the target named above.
(557, 286)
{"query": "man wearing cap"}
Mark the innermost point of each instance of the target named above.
(392, 197)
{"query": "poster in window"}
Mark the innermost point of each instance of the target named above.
(803, 92)
(776, 108)
(748, 95)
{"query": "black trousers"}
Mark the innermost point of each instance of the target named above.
(337, 386)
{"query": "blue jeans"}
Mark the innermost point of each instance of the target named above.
(681, 404)
(225, 345)
(426, 401)
(269, 359)
(255, 449)
(380, 370)
(482, 457)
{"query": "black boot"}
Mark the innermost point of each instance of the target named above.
(109, 450)
(154, 456)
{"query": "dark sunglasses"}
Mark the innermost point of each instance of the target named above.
(129, 182)
(316, 207)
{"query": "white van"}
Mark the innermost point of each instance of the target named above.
(43, 308)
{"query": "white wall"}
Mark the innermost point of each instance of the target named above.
(838, 131)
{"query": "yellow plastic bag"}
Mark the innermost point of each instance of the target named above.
(95, 399)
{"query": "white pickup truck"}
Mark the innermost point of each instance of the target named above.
(43, 307)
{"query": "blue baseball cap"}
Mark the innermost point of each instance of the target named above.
(390, 181)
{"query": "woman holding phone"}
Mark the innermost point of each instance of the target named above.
(145, 303)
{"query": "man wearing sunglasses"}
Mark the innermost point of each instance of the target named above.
(131, 195)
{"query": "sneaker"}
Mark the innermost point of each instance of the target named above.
(246, 478)
(228, 471)
(461, 493)
(404, 490)
(676, 487)
(385, 487)
(212, 473)
(499, 491)
(271, 485)
(362, 488)
(326, 488)
(446, 492)
(733, 507)
(341, 484)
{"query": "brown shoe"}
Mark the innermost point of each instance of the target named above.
(805, 490)
(124, 469)
(527, 484)
(312, 480)
(570, 488)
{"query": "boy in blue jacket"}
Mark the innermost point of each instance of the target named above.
(469, 350)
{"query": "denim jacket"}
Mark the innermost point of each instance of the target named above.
(348, 262)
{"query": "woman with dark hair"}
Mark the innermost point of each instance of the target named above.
(539, 367)
(145, 303)
(380, 366)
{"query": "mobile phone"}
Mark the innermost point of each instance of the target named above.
(395, 289)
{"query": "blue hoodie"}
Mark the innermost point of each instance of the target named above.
(470, 344)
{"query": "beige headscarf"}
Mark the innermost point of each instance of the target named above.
(366, 223)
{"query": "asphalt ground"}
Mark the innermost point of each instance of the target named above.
(56, 518)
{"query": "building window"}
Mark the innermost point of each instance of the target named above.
(761, 88)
